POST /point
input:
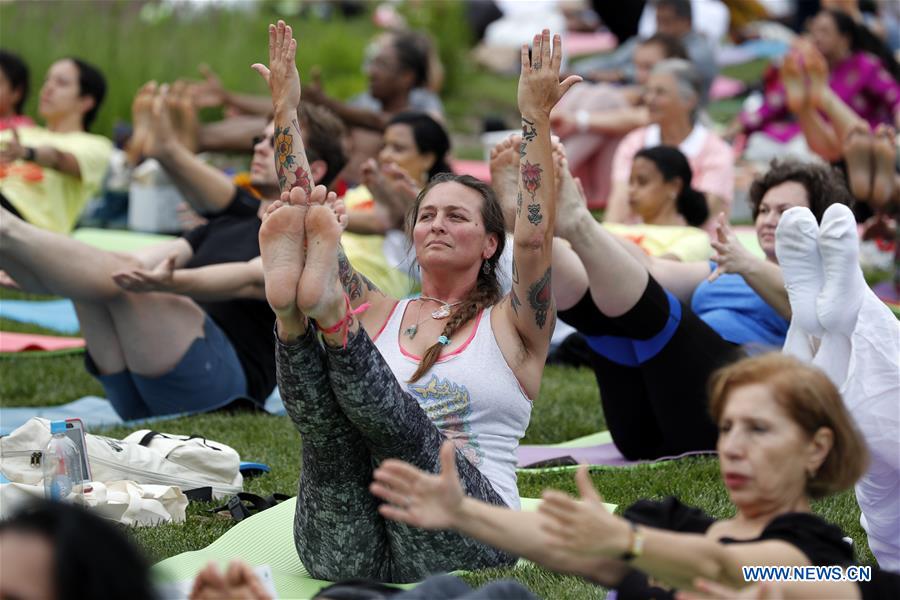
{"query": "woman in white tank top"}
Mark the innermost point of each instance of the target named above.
(482, 355)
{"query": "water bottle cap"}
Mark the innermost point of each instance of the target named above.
(57, 427)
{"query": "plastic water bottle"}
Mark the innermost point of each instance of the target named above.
(61, 461)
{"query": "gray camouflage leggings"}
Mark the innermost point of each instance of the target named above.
(352, 413)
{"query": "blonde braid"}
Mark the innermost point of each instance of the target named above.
(482, 295)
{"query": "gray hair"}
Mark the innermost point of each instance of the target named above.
(690, 84)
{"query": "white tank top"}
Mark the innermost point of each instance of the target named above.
(471, 395)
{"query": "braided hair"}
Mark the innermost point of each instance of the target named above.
(486, 291)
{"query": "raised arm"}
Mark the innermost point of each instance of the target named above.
(207, 189)
(531, 308)
(283, 80)
(763, 276)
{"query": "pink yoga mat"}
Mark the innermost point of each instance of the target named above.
(30, 342)
(601, 454)
(580, 43)
(476, 168)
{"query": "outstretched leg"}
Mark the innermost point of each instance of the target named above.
(151, 345)
(337, 529)
(390, 420)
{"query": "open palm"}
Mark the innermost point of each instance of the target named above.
(418, 498)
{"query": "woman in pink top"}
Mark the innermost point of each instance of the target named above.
(673, 92)
(858, 70)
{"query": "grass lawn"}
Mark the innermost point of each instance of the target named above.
(568, 407)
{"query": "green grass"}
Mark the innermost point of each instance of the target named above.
(568, 407)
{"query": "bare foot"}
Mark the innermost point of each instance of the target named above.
(184, 104)
(858, 154)
(320, 295)
(884, 151)
(504, 165)
(173, 101)
(817, 71)
(794, 84)
(141, 108)
(571, 205)
(281, 245)
(160, 131)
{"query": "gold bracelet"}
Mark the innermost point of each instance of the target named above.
(635, 543)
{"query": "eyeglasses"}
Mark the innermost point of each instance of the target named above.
(260, 138)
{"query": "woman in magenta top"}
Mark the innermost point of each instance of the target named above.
(864, 76)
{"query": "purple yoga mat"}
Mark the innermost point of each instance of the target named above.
(886, 291)
(601, 454)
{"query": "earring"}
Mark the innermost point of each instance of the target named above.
(486, 268)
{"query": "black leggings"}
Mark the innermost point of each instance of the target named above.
(656, 403)
(352, 413)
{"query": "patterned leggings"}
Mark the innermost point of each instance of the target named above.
(352, 413)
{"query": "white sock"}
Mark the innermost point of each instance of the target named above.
(797, 249)
(798, 343)
(833, 357)
(842, 293)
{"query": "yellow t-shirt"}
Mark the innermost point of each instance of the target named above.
(687, 243)
(46, 197)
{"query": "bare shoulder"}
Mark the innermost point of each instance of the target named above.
(376, 315)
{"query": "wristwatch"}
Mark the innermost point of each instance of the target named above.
(30, 154)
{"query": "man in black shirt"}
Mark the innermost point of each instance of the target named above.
(183, 325)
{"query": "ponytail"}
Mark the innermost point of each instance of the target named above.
(692, 205)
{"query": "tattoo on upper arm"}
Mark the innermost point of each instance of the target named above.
(513, 297)
(540, 298)
(352, 281)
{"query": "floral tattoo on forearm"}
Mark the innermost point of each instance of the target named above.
(290, 163)
(540, 298)
(531, 181)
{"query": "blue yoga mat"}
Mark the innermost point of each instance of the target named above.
(58, 315)
(94, 412)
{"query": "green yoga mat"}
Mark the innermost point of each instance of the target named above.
(117, 240)
(266, 538)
